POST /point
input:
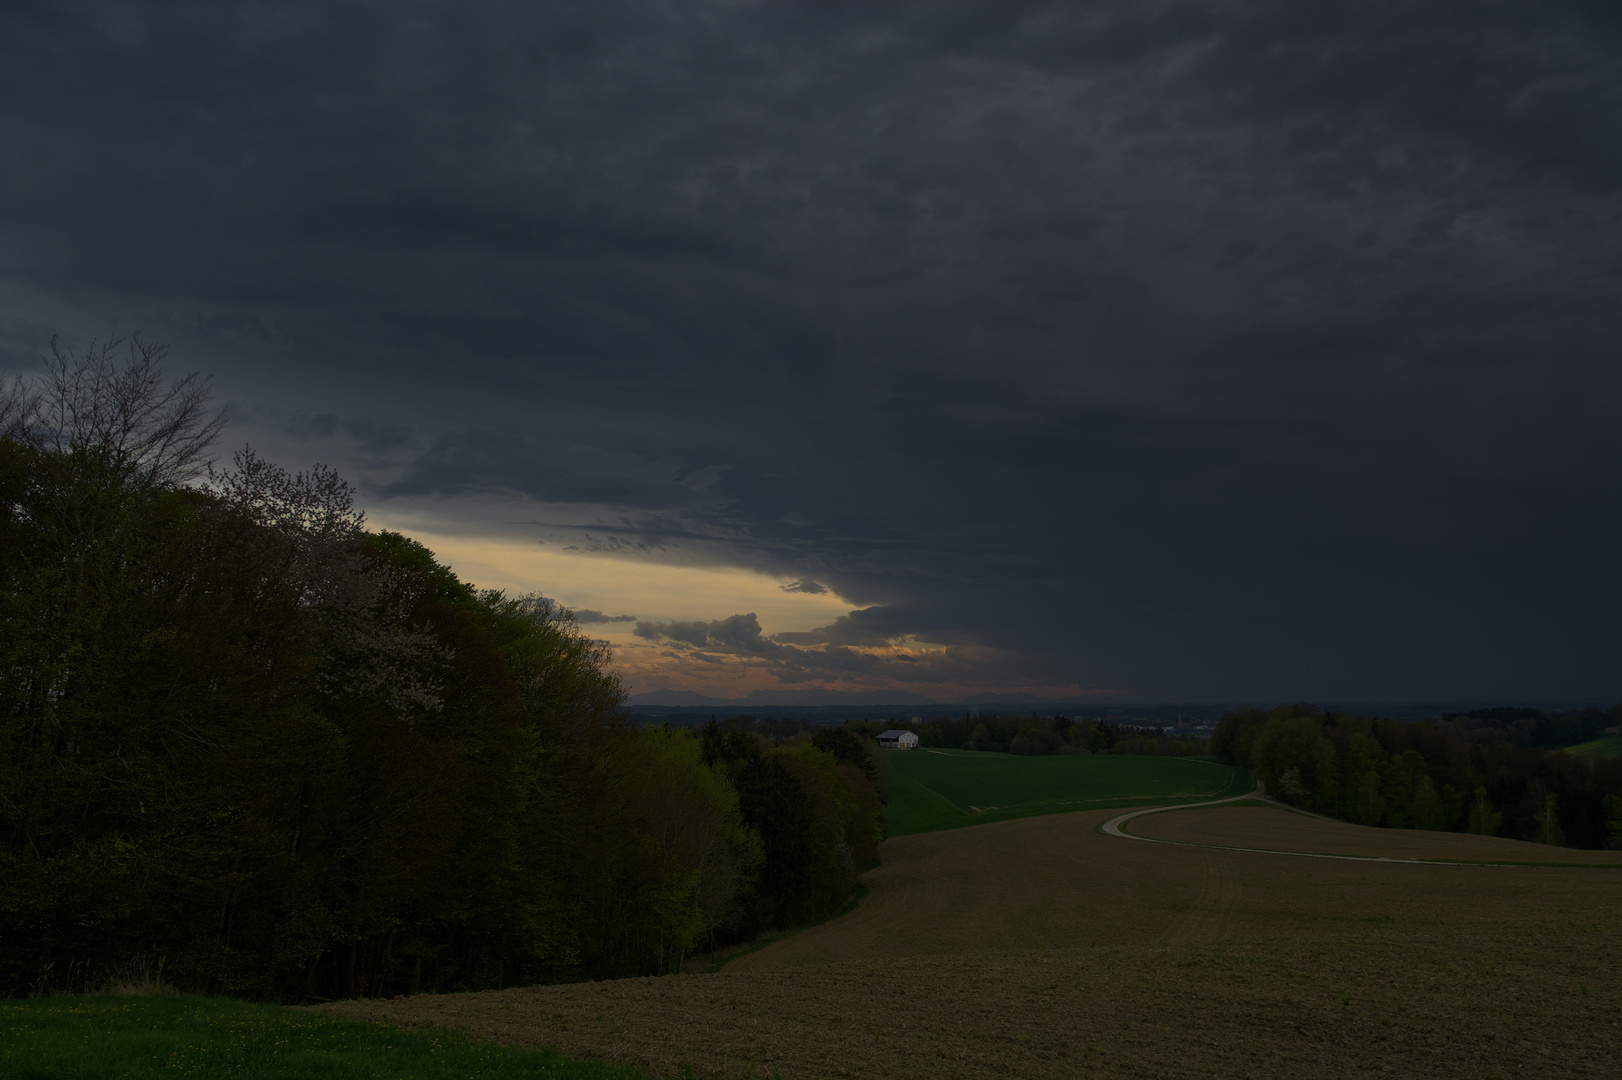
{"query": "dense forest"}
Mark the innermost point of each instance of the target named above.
(1532, 727)
(282, 756)
(1036, 736)
(1464, 777)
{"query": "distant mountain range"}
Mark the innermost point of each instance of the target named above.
(777, 698)
(895, 702)
(782, 698)
(1005, 699)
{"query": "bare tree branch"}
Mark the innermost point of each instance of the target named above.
(123, 415)
(19, 409)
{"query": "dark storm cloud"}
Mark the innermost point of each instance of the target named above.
(1203, 349)
(586, 617)
(743, 634)
(740, 642)
(736, 634)
(371, 438)
(864, 626)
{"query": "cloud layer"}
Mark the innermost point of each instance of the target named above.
(1203, 351)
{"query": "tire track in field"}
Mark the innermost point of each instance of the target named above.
(1219, 892)
(1112, 827)
(1219, 888)
(1115, 827)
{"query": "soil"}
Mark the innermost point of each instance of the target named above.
(1041, 948)
(1261, 826)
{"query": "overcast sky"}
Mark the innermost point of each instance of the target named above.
(1164, 351)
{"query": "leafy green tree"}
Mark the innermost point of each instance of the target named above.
(1363, 755)
(1236, 733)
(1484, 819)
(838, 821)
(1548, 823)
(1613, 819)
(289, 755)
(1286, 746)
(706, 852)
(778, 809)
(847, 748)
(1370, 805)
(1427, 807)
(1325, 776)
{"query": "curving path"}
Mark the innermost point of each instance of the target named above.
(1113, 827)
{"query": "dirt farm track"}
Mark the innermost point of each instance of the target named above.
(1042, 948)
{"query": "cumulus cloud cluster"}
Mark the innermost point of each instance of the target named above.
(831, 656)
(587, 617)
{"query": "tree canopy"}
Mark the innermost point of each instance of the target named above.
(295, 758)
(1434, 775)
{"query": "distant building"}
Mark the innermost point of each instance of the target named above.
(896, 739)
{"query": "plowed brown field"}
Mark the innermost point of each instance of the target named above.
(1041, 948)
(1282, 830)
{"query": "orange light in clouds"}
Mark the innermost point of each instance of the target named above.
(665, 593)
(650, 591)
(646, 666)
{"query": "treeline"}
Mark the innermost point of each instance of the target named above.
(1035, 736)
(289, 758)
(768, 727)
(1418, 775)
(1534, 727)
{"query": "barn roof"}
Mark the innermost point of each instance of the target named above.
(893, 733)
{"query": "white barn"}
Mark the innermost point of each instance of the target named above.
(896, 739)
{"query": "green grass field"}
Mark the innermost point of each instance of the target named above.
(1608, 746)
(947, 789)
(110, 1038)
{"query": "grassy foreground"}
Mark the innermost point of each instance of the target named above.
(1607, 746)
(207, 1037)
(931, 790)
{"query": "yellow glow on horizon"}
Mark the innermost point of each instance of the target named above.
(650, 591)
(662, 592)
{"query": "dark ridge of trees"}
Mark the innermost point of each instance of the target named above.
(1531, 727)
(294, 759)
(1418, 775)
(848, 748)
(814, 803)
(1037, 736)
